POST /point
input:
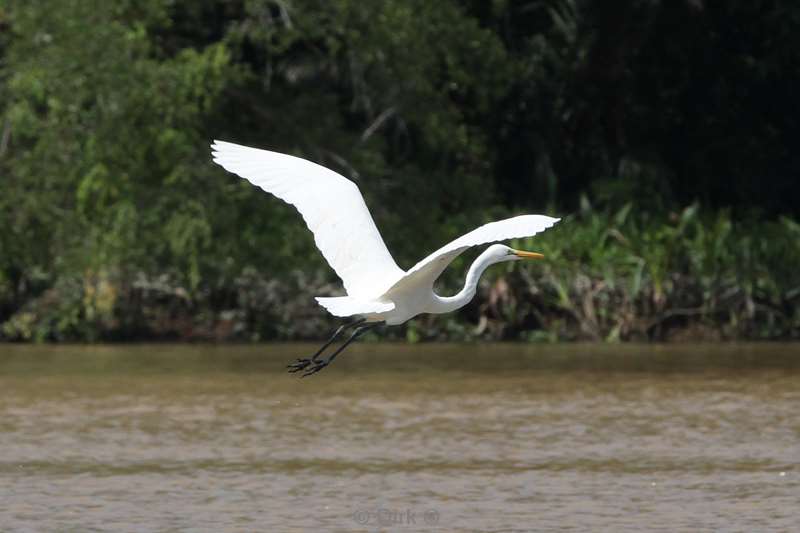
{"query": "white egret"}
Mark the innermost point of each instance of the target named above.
(378, 291)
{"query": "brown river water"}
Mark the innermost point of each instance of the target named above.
(472, 437)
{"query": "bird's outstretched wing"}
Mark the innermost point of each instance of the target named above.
(432, 266)
(332, 207)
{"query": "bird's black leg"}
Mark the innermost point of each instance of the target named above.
(300, 364)
(360, 330)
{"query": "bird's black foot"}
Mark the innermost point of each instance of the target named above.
(315, 363)
(300, 364)
(316, 366)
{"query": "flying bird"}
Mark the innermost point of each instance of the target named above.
(378, 291)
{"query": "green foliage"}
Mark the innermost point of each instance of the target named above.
(403, 99)
(616, 275)
(448, 114)
(106, 138)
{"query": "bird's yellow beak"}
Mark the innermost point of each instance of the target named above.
(528, 255)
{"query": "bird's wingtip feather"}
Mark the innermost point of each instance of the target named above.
(216, 144)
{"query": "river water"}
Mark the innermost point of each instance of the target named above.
(497, 437)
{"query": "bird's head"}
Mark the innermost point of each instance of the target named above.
(500, 253)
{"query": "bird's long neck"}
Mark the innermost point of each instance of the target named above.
(445, 304)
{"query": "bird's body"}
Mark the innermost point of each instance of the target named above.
(378, 291)
(412, 294)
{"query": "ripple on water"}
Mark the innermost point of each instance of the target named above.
(571, 445)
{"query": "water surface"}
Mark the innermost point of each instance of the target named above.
(498, 437)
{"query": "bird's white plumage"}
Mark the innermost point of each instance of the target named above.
(429, 269)
(334, 210)
(332, 207)
(349, 306)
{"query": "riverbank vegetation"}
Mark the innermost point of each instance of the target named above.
(611, 276)
(664, 133)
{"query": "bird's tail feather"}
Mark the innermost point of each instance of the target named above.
(349, 306)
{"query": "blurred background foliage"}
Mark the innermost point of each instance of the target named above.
(665, 132)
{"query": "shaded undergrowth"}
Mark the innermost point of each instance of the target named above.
(613, 276)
